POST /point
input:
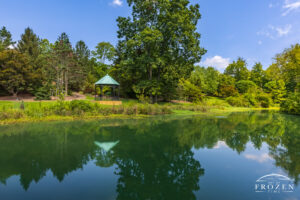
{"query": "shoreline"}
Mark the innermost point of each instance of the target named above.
(56, 118)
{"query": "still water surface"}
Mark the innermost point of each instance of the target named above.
(184, 158)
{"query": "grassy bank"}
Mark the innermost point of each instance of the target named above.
(15, 112)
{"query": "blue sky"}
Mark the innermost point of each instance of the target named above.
(254, 29)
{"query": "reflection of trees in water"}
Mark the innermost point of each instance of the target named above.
(151, 154)
(169, 177)
(156, 166)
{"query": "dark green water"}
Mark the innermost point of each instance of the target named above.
(159, 158)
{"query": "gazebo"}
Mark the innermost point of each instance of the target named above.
(108, 81)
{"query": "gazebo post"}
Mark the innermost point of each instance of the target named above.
(118, 92)
(101, 92)
(95, 92)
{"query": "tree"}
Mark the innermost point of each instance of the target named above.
(82, 59)
(273, 73)
(276, 89)
(227, 86)
(15, 71)
(258, 75)
(288, 64)
(158, 45)
(29, 44)
(190, 91)
(238, 70)
(245, 86)
(64, 55)
(207, 79)
(5, 39)
(104, 52)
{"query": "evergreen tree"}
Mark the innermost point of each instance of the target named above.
(29, 44)
(5, 39)
(15, 71)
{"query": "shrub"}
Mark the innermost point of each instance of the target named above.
(77, 106)
(264, 100)
(191, 91)
(251, 98)
(245, 85)
(12, 114)
(42, 93)
(238, 101)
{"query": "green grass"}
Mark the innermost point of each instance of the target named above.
(10, 111)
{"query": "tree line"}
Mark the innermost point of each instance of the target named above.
(41, 68)
(154, 60)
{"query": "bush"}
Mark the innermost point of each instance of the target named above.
(43, 93)
(264, 100)
(292, 104)
(79, 107)
(12, 114)
(238, 101)
(245, 85)
(251, 98)
(191, 91)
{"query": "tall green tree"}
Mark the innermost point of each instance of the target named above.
(5, 39)
(207, 79)
(82, 58)
(276, 89)
(288, 64)
(104, 52)
(238, 70)
(64, 55)
(227, 86)
(15, 71)
(258, 75)
(158, 46)
(29, 44)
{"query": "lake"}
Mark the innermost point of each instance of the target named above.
(249, 155)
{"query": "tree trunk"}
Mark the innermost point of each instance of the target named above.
(66, 83)
(15, 94)
(150, 78)
(158, 79)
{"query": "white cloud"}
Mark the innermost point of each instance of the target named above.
(290, 6)
(117, 2)
(218, 62)
(275, 32)
(220, 144)
(283, 31)
(259, 158)
(259, 42)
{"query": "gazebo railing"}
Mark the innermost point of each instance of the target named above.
(107, 98)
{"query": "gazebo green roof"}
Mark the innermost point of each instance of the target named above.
(107, 80)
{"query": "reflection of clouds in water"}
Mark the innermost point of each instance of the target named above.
(220, 144)
(259, 158)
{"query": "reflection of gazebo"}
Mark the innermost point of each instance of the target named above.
(108, 81)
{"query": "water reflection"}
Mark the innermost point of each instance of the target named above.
(153, 159)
